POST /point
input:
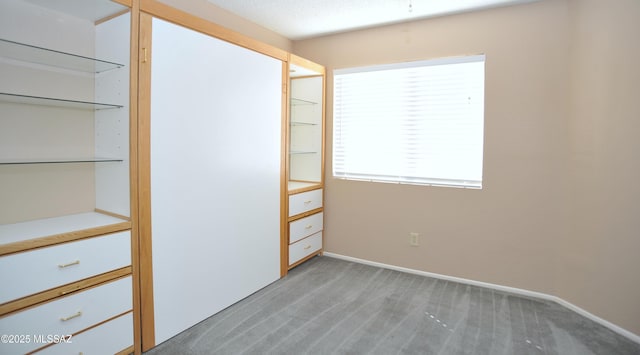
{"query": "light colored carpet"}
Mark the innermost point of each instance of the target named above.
(330, 306)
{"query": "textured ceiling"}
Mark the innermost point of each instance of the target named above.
(299, 19)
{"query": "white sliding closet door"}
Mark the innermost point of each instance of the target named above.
(215, 175)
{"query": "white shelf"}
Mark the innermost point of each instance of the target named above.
(295, 185)
(33, 54)
(18, 232)
(59, 161)
(301, 102)
(50, 101)
(297, 123)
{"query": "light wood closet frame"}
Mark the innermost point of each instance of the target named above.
(149, 9)
(284, 245)
(134, 6)
(131, 223)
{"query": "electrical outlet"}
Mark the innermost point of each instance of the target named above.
(414, 239)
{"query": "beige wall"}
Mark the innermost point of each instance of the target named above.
(601, 263)
(222, 17)
(558, 212)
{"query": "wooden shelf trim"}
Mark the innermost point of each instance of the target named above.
(296, 60)
(305, 214)
(46, 241)
(168, 13)
(310, 187)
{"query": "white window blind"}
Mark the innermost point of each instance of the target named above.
(415, 122)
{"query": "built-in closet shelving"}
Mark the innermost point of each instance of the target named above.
(65, 221)
(26, 54)
(35, 62)
(305, 163)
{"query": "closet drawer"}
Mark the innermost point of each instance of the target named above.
(305, 201)
(108, 339)
(67, 315)
(305, 247)
(41, 269)
(304, 227)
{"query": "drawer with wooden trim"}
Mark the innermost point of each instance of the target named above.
(304, 202)
(67, 315)
(37, 270)
(305, 247)
(305, 227)
(109, 338)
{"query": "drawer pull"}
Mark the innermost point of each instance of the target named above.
(309, 226)
(307, 247)
(76, 315)
(62, 266)
(307, 202)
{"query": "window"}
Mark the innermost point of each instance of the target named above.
(414, 123)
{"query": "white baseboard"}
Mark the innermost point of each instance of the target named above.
(632, 336)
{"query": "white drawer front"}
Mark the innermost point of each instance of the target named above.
(304, 227)
(108, 339)
(305, 247)
(305, 201)
(67, 315)
(34, 271)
